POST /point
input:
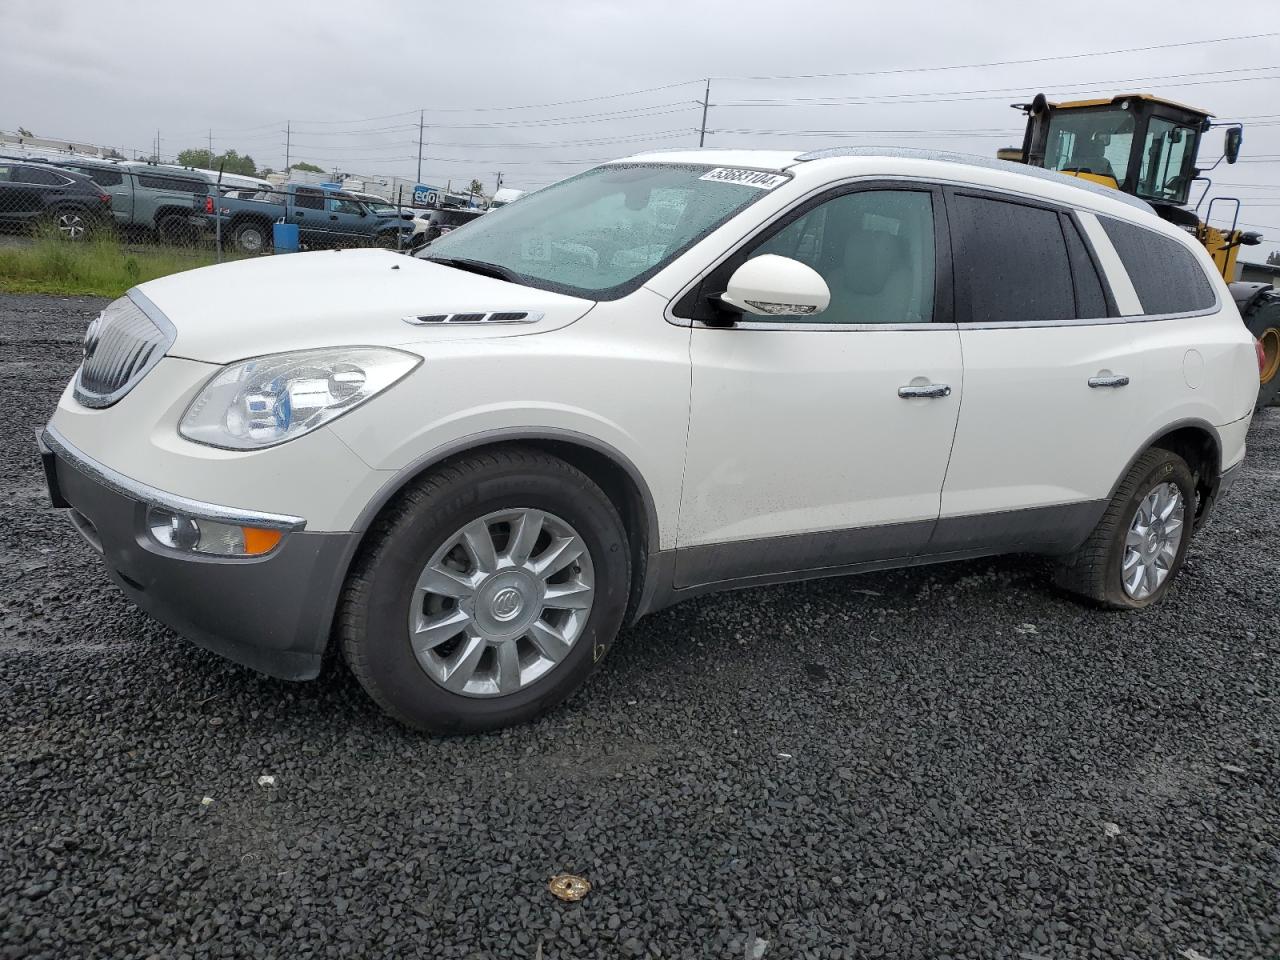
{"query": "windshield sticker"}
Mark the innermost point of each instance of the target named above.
(747, 178)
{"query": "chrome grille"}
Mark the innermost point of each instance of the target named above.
(120, 346)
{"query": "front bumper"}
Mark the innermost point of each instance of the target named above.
(272, 613)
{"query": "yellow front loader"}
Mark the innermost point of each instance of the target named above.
(1148, 147)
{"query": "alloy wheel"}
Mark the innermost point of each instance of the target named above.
(1152, 541)
(501, 602)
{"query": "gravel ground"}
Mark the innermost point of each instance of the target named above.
(951, 762)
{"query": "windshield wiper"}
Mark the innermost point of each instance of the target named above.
(480, 267)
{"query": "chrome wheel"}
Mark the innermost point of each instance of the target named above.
(71, 226)
(251, 240)
(1151, 545)
(501, 602)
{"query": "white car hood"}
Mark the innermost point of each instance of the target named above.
(299, 301)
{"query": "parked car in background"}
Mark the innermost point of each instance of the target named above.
(325, 218)
(467, 469)
(446, 220)
(35, 194)
(416, 216)
(153, 197)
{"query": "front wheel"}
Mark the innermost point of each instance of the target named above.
(1139, 545)
(487, 594)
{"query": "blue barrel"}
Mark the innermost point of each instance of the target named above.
(285, 237)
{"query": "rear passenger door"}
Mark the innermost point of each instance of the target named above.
(1052, 379)
(310, 215)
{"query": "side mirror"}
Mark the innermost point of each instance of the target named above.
(770, 285)
(1231, 147)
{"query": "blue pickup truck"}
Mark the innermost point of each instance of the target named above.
(325, 218)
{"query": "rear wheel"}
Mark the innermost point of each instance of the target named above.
(251, 238)
(1139, 545)
(175, 228)
(73, 225)
(488, 593)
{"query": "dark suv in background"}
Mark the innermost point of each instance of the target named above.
(445, 220)
(32, 194)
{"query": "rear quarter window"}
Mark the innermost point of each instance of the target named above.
(176, 184)
(102, 176)
(1167, 277)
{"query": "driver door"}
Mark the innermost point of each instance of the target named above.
(803, 455)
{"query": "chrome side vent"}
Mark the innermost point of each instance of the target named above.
(506, 316)
(121, 346)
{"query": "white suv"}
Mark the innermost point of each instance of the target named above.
(672, 374)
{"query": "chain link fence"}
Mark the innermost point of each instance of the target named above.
(76, 199)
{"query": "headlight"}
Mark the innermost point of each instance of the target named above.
(268, 400)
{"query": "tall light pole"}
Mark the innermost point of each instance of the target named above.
(288, 131)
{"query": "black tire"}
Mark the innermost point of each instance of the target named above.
(1093, 570)
(1263, 321)
(372, 625)
(173, 228)
(251, 237)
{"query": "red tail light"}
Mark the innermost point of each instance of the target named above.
(105, 198)
(1262, 355)
(208, 204)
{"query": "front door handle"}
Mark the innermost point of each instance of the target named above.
(1108, 381)
(912, 391)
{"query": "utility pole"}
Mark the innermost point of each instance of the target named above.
(706, 99)
(157, 146)
(288, 129)
(496, 187)
(210, 148)
(420, 112)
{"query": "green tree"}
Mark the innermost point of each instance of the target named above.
(476, 187)
(230, 161)
(24, 132)
(1274, 257)
(306, 167)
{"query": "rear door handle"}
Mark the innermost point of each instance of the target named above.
(911, 391)
(1108, 381)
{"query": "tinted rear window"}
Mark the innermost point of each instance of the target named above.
(102, 176)
(1166, 275)
(1011, 262)
(177, 184)
(37, 175)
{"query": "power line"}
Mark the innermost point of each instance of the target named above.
(1004, 63)
(901, 97)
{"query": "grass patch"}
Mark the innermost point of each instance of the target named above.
(99, 266)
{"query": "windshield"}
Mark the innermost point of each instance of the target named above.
(1090, 141)
(604, 232)
(381, 208)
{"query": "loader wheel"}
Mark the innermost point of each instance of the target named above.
(1263, 322)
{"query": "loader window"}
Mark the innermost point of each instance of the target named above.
(1167, 277)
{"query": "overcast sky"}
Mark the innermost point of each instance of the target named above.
(349, 78)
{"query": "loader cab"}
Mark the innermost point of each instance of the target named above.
(1136, 143)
